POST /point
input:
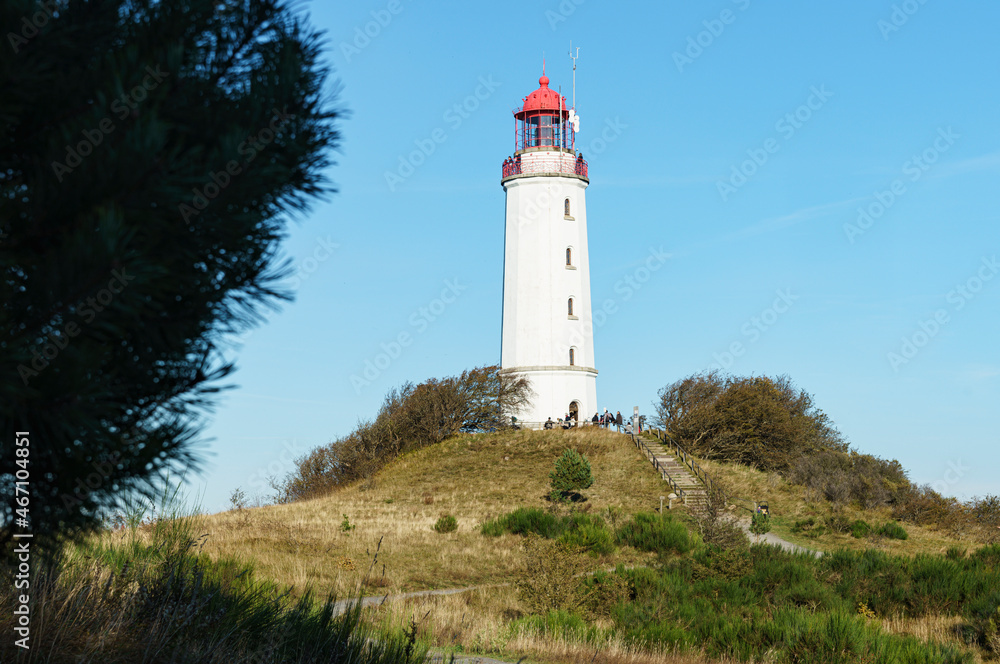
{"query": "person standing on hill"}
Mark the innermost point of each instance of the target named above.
(618, 421)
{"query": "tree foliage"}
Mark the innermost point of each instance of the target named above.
(572, 473)
(149, 153)
(411, 417)
(759, 421)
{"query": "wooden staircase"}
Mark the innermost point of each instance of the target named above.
(679, 476)
(693, 491)
(684, 474)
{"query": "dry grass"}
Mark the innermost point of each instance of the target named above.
(480, 621)
(470, 477)
(943, 629)
(789, 503)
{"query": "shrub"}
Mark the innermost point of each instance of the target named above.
(838, 523)
(606, 591)
(715, 525)
(860, 529)
(446, 524)
(763, 422)
(985, 513)
(923, 506)
(592, 537)
(893, 530)
(728, 564)
(552, 577)
(585, 531)
(572, 473)
(651, 532)
(524, 521)
(346, 526)
(760, 523)
(842, 477)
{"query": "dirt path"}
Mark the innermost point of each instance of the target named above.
(771, 538)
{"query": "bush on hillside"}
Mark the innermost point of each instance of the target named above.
(571, 474)
(584, 531)
(446, 524)
(860, 529)
(652, 532)
(842, 478)
(729, 564)
(593, 537)
(763, 422)
(893, 530)
(552, 578)
(985, 514)
(411, 417)
(716, 526)
(760, 523)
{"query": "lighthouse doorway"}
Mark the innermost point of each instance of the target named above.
(574, 411)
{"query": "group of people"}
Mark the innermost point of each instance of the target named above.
(606, 420)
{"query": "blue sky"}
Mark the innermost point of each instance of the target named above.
(823, 177)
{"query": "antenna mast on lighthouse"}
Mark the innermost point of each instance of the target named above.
(574, 57)
(574, 118)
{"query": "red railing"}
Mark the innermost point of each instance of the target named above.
(561, 164)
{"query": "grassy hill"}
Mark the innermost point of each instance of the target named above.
(377, 537)
(472, 477)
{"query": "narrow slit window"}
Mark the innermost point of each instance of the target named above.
(569, 256)
(572, 357)
(570, 306)
(566, 207)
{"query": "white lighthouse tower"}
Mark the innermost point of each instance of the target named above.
(547, 326)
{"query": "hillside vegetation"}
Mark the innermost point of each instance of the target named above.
(471, 477)
(557, 540)
(770, 425)
(683, 601)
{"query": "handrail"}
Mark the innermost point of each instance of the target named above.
(698, 470)
(641, 444)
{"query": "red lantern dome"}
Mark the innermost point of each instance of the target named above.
(543, 126)
(544, 99)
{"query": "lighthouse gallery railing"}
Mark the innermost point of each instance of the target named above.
(568, 165)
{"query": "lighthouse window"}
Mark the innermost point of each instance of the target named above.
(566, 208)
(570, 307)
(569, 256)
(572, 357)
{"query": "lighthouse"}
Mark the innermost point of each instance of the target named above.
(547, 333)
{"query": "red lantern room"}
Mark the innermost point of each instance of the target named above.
(545, 124)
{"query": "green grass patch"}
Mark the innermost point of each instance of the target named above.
(587, 531)
(654, 532)
(860, 529)
(446, 524)
(893, 530)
